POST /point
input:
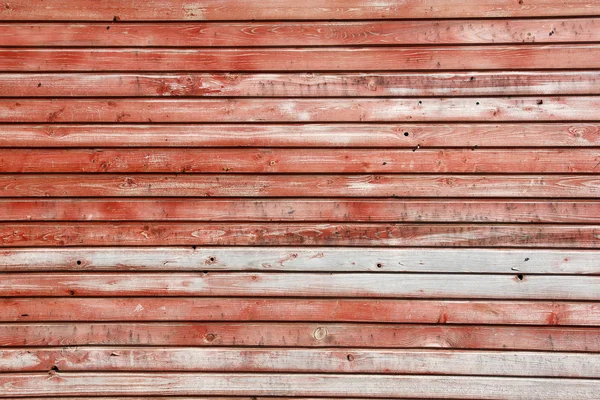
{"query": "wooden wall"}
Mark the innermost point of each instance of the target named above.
(317, 198)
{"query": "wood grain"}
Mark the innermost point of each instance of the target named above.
(471, 57)
(119, 383)
(301, 259)
(454, 109)
(472, 83)
(225, 185)
(271, 334)
(371, 135)
(164, 309)
(50, 234)
(314, 33)
(160, 10)
(451, 362)
(300, 161)
(278, 210)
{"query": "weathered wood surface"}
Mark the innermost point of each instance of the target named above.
(300, 161)
(453, 109)
(278, 210)
(283, 199)
(300, 259)
(277, 334)
(375, 135)
(315, 33)
(419, 84)
(148, 309)
(373, 361)
(382, 285)
(295, 385)
(398, 58)
(322, 185)
(160, 10)
(296, 233)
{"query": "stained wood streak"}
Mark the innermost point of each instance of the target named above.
(165, 309)
(576, 160)
(224, 185)
(372, 135)
(540, 364)
(381, 285)
(471, 57)
(288, 234)
(300, 259)
(316, 33)
(302, 335)
(473, 83)
(455, 109)
(330, 210)
(235, 10)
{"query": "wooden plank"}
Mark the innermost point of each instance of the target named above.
(288, 284)
(219, 185)
(301, 259)
(373, 135)
(471, 57)
(525, 186)
(120, 383)
(140, 309)
(234, 160)
(161, 10)
(496, 83)
(302, 335)
(456, 109)
(279, 210)
(306, 234)
(316, 33)
(450, 362)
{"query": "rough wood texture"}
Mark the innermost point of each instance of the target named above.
(243, 200)
(160, 10)
(419, 84)
(300, 259)
(527, 57)
(225, 185)
(306, 234)
(451, 362)
(274, 334)
(316, 33)
(372, 135)
(148, 309)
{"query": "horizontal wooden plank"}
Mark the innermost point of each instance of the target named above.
(493, 83)
(288, 234)
(300, 110)
(288, 284)
(471, 57)
(330, 210)
(218, 185)
(303, 335)
(317, 33)
(398, 386)
(142, 309)
(373, 135)
(323, 259)
(234, 160)
(109, 10)
(189, 359)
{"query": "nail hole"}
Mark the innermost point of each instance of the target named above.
(540, 102)
(405, 133)
(116, 18)
(350, 357)
(210, 337)
(194, 247)
(54, 368)
(78, 262)
(527, 259)
(72, 292)
(384, 163)
(108, 27)
(24, 315)
(520, 277)
(472, 79)
(379, 265)
(211, 259)
(477, 103)
(40, 84)
(420, 102)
